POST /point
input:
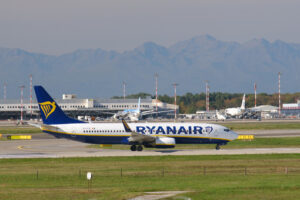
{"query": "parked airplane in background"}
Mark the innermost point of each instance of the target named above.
(220, 116)
(236, 112)
(135, 114)
(132, 114)
(157, 135)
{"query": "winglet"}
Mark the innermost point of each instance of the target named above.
(126, 127)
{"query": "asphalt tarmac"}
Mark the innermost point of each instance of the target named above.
(58, 148)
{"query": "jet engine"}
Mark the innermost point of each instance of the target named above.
(162, 142)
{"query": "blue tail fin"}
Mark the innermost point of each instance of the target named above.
(51, 113)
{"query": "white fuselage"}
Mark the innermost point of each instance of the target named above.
(133, 115)
(220, 116)
(180, 131)
(234, 111)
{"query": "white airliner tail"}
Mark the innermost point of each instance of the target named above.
(243, 102)
(139, 105)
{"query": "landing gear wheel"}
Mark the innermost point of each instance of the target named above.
(133, 148)
(140, 148)
(218, 147)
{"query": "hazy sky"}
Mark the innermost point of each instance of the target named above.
(60, 26)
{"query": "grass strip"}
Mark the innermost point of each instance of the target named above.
(206, 177)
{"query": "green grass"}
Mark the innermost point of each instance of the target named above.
(236, 144)
(261, 125)
(224, 177)
(19, 130)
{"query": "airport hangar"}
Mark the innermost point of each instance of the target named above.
(74, 107)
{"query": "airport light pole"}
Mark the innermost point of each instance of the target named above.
(124, 90)
(22, 89)
(4, 91)
(254, 94)
(279, 100)
(175, 96)
(30, 77)
(207, 97)
(156, 85)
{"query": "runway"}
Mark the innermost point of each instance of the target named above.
(58, 148)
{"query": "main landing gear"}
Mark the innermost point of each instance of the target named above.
(136, 148)
(218, 147)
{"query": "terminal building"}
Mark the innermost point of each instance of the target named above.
(291, 110)
(73, 107)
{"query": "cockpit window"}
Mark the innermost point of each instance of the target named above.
(226, 129)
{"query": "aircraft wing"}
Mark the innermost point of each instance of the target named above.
(150, 112)
(137, 137)
(107, 112)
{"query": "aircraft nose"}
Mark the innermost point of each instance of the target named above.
(233, 135)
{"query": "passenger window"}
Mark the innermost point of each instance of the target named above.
(226, 130)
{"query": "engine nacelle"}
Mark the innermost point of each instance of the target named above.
(164, 142)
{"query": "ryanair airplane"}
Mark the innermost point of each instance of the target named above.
(137, 135)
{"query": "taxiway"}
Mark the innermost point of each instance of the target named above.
(58, 148)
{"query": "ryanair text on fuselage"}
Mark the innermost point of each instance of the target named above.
(173, 130)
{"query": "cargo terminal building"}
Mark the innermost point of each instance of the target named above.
(73, 107)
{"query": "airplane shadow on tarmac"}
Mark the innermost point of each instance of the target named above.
(167, 151)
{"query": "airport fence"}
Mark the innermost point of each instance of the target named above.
(158, 172)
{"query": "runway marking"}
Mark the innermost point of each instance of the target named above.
(20, 147)
(23, 148)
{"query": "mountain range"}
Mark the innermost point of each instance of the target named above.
(228, 66)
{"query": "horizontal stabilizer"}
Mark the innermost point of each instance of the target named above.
(35, 125)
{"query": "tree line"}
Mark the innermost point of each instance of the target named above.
(190, 103)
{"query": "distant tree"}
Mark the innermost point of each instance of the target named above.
(134, 96)
(190, 103)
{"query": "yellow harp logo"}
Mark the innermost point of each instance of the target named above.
(48, 108)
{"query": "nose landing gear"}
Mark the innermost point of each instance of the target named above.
(218, 147)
